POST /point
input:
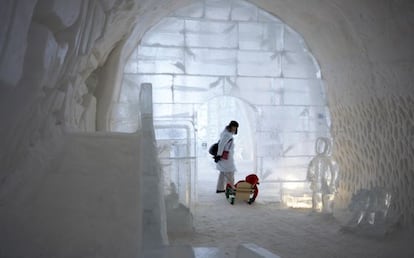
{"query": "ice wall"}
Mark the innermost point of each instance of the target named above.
(51, 54)
(364, 49)
(87, 202)
(54, 63)
(375, 148)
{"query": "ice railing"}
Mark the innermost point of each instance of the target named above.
(176, 149)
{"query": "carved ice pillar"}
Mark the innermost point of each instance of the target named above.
(155, 222)
(145, 100)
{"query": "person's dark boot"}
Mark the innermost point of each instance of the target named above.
(220, 191)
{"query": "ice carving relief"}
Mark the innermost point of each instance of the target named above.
(323, 176)
(375, 148)
(48, 49)
(58, 32)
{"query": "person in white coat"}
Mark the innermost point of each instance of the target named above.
(224, 157)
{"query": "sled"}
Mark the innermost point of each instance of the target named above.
(243, 192)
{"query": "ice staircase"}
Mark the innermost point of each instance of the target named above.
(249, 250)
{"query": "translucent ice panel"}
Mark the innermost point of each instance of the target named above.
(267, 17)
(130, 90)
(313, 125)
(185, 182)
(295, 124)
(183, 96)
(217, 9)
(211, 34)
(169, 32)
(168, 110)
(161, 60)
(125, 118)
(211, 61)
(269, 150)
(261, 36)
(243, 11)
(134, 54)
(162, 95)
(260, 97)
(293, 41)
(229, 87)
(269, 144)
(126, 111)
(299, 65)
(197, 83)
(258, 63)
(293, 163)
(303, 92)
(259, 84)
(194, 10)
(268, 137)
(170, 133)
(157, 81)
(279, 112)
(131, 66)
(293, 118)
(284, 168)
(299, 144)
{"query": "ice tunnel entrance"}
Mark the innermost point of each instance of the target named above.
(231, 48)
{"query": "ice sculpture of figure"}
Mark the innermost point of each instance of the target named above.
(370, 211)
(323, 176)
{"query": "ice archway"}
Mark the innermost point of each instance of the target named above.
(232, 48)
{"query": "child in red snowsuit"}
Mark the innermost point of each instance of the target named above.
(251, 179)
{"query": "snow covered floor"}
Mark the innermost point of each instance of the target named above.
(285, 232)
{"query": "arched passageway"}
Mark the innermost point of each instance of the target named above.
(61, 69)
(234, 49)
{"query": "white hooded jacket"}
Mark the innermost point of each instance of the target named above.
(226, 144)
